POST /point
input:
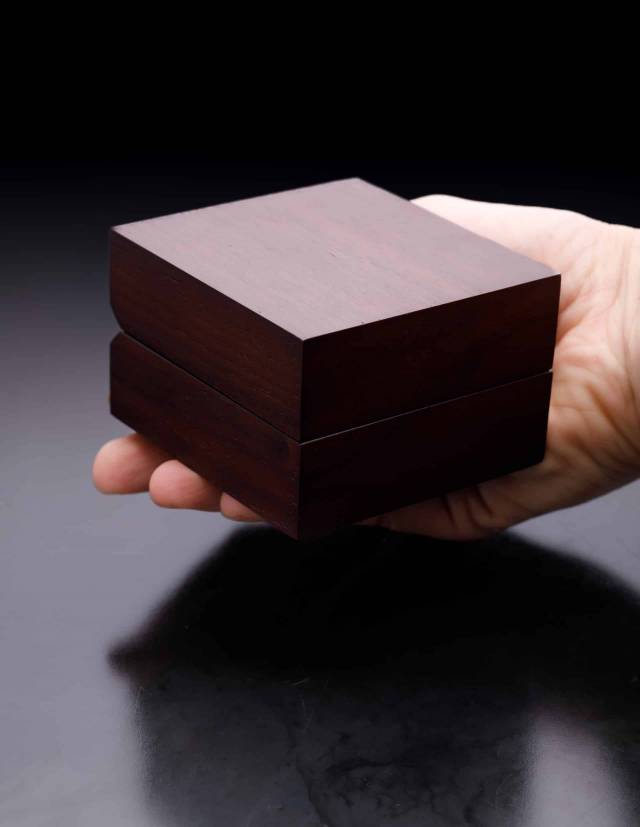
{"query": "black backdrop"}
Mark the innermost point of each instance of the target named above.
(59, 198)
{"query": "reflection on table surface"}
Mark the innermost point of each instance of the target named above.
(372, 679)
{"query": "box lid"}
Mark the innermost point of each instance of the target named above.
(328, 307)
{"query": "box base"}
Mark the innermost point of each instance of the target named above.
(310, 488)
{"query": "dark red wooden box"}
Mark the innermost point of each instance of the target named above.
(330, 353)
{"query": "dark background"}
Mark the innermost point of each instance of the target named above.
(159, 667)
(57, 204)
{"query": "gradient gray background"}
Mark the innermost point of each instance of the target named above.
(80, 572)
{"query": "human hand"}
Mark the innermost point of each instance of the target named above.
(593, 442)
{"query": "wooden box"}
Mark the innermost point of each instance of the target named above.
(330, 353)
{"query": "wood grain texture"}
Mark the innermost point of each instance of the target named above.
(389, 464)
(249, 359)
(424, 358)
(212, 435)
(324, 308)
(329, 257)
(310, 488)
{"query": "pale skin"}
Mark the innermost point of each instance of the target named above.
(593, 443)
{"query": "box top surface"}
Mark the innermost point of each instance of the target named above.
(331, 257)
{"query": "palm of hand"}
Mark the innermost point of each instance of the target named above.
(593, 440)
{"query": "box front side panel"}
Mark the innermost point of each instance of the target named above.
(405, 459)
(400, 364)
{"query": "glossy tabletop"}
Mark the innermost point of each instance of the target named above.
(167, 668)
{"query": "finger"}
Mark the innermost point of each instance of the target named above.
(173, 485)
(444, 518)
(235, 510)
(125, 465)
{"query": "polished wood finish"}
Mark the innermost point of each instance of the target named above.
(206, 430)
(328, 307)
(308, 488)
(208, 334)
(428, 357)
(405, 459)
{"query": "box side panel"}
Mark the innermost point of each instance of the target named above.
(404, 363)
(246, 357)
(208, 432)
(406, 459)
